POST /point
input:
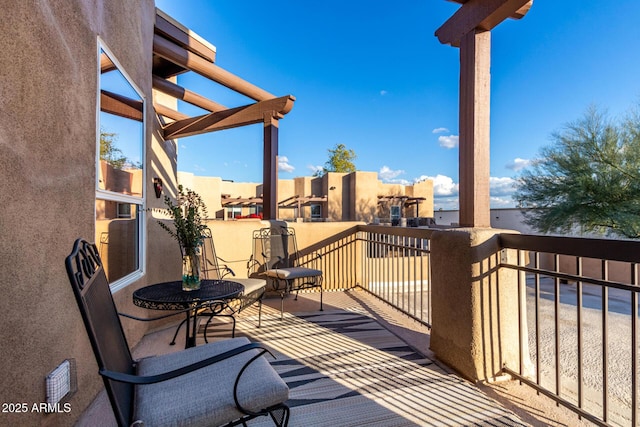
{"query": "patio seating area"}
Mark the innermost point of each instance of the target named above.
(359, 363)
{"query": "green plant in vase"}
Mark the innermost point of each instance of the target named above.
(188, 227)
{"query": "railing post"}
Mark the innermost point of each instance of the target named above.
(475, 303)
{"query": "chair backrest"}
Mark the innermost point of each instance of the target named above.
(91, 288)
(210, 269)
(275, 247)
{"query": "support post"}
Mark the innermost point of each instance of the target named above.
(270, 168)
(476, 304)
(474, 156)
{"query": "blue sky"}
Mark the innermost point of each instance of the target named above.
(372, 75)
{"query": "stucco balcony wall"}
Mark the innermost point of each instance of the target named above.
(474, 303)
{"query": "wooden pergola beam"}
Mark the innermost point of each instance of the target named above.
(178, 92)
(181, 35)
(106, 64)
(169, 112)
(519, 14)
(481, 15)
(190, 61)
(121, 105)
(230, 118)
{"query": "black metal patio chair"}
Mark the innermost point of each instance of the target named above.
(275, 257)
(223, 383)
(254, 288)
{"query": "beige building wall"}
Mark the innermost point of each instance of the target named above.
(49, 56)
(350, 197)
(365, 189)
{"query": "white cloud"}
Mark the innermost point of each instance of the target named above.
(283, 164)
(518, 164)
(501, 202)
(315, 169)
(440, 130)
(446, 203)
(445, 191)
(442, 185)
(502, 186)
(387, 174)
(383, 92)
(450, 141)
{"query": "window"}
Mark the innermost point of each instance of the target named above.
(120, 174)
(234, 211)
(316, 211)
(255, 209)
(395, 212)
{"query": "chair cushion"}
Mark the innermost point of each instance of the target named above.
(205, 397)
(293, 273)
(250, 285)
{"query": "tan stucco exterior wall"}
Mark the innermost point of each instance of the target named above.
(49, 56)
(474, 303)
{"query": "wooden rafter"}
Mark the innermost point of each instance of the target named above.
(231, 118)
(298, 201)
(177, 50)
(241, 201)
(519, 14)
(178, 92)
(106, 64)
(172, 30)
(481, 15)
(190, 61)
(165, 111)
(120, 105)
(405, 200)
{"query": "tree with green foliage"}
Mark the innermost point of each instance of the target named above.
(588, 178)
(109, 152)
(340, 160)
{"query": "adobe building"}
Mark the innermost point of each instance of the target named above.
(73, 68)
(355, 196)
(72, 71)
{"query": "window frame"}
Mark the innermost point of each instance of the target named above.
(314, 205)
(391, 213)
(111, 196)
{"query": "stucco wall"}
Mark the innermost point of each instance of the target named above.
(48, 92)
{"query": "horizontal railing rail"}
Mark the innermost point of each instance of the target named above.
(579, 327)
(391, 263)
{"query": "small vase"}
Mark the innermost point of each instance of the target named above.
(191, 269)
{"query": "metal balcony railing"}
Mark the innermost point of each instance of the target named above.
(389, 262)
(579, 328)
(579, 322)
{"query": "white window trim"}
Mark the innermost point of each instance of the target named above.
(100, 194)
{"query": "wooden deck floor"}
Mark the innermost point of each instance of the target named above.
(360, 363)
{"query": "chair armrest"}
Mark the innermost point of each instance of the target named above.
(152, 379)
(225, 270)
(252, 266)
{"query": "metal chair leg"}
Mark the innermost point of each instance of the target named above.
(173, 341)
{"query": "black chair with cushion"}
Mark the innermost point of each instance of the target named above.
(254, 288)
(276, 258)
(224, 383)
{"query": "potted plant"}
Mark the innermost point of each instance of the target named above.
(188, 226)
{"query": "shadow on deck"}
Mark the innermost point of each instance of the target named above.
(357, 363)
